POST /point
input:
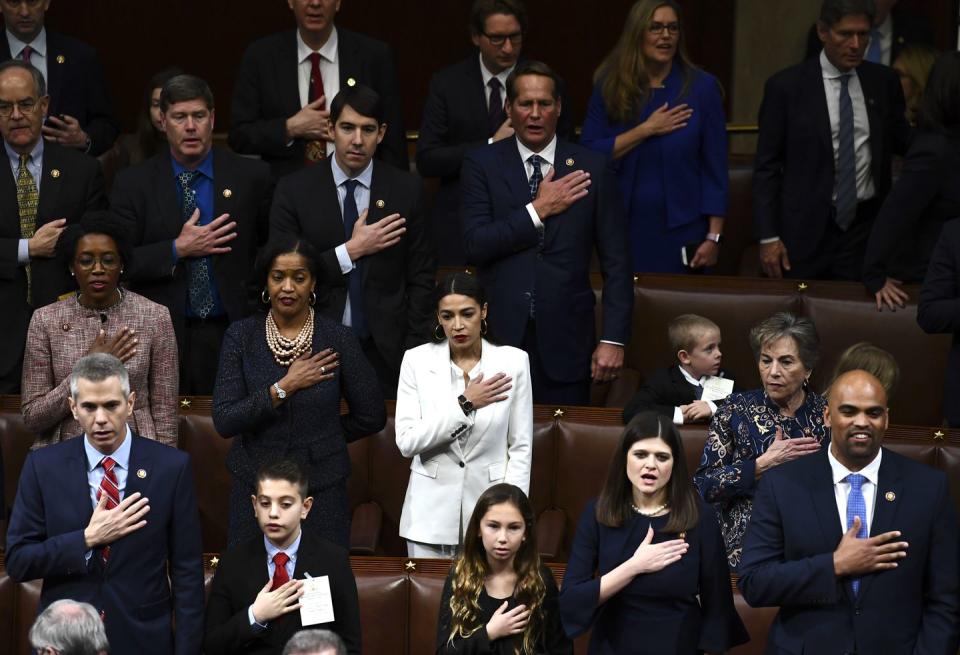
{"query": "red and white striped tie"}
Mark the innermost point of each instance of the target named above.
(108, 486)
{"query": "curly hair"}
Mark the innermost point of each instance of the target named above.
(471, 569)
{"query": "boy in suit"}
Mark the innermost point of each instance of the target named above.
(676, 391)
(255, 598)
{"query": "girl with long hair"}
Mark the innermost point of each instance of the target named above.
(499, 598)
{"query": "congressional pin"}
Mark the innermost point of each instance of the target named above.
(351, 81)
(65, 327)
(381, 204)
(55, 173)
(890, 496)
(570, 161)
(61, 59)
(141, 473)
(227, 193)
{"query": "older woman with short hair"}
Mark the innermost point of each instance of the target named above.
(757, 430)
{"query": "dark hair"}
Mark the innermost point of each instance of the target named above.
(483, 9)
(283, 246)
(784, 324)
(833, 11)
(940, 105)
(876, 361)
(96, 222)
(613, 505)
(284, 469)
(362, 99)
(531, 67)
(38, 81)
(148, 138)
(182, 88)
(472, 567)
(463, 284)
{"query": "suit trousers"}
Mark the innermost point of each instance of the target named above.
(387, 376)
(545, 390)
(200, 354)
(840, 255)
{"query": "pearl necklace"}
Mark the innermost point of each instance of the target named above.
(652, 512)
(286, 350)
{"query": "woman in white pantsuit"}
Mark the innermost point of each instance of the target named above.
(465, 416)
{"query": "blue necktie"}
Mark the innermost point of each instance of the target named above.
(535, 179)
(355, 277)
(846, 160)
(856, 506)
(198, 268)
(875, 49)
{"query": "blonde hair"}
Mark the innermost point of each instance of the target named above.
(916, 61)
(684, 330)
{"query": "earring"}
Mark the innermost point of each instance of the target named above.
(72, 274)
(264, 298)
(438, 333)
(313, 299)
(483, 327)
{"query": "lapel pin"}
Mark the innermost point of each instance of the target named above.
(61, 59)
(65, 327)
(890, 496)
(381, 204)
(227, 193)
(141, 473)
(351, 81)
(55, 173)
(570, 161)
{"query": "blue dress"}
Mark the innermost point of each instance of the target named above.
(682, 609)
(670, 183)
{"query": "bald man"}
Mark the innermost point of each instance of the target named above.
(856, 544)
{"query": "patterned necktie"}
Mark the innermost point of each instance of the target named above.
(315, 150)
(198, 268)
(354, 277)
(875, 49)
(27, 198)
(495, 113)
(109, 487)
(846, 160)
(536, 177)
(856, 506)
(280, 576)
(25, 53)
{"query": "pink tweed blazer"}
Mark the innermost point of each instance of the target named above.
(61, 333)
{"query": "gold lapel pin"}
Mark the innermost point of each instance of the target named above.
(65, 327)
(141, 473)
(227, 193)
(570, 161)
(381, 204)
(351, 81)
(55, 173)
(61, 59)
(890, 496)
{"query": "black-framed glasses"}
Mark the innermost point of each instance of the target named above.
(499, 39)
(108, 261)
(658, 28)
(26, 107)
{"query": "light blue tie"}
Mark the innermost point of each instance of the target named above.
(856, 506)
(846, 160)
(875, 49)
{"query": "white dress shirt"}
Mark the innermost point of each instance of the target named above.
(329, 70)
(38, 58)
(842, 489)
(677, 412)
(35, 166)
(361, 196)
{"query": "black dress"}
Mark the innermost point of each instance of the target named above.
(552, 640)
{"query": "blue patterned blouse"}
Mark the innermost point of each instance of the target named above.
(742, 430)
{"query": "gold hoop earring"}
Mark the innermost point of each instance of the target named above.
(313, 298)
(438, 333)
(264, 298)
(483, 327)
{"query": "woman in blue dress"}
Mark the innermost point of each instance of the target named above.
(661, 120)
(647, 570)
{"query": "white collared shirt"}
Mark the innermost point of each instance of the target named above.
(487, 76)
(35, 166)
(677, 412)
(841, 489)
(861, 125)
(38, 58)
(548, 154)
(361, 196)
(329, 70)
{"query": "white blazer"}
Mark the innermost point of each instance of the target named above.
(455, 456)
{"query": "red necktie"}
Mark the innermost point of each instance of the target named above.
(315, 88)
(280, 576)
(25, 53)
(108, 486)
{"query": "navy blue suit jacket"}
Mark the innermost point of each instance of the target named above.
(138, 600)
(788, 561)
(501, 239)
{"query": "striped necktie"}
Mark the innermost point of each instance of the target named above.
(109, 487)
(27, 199)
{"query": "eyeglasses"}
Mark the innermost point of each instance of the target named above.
(109, 262)
(26, 107)
(658, 28)
(499, 39)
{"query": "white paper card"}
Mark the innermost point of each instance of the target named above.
(316, 604)
(715, 388)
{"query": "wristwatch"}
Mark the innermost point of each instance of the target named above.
(281, 394)
(465, 404)
(716, 238)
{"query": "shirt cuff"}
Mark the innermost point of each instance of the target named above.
(677, 416)
(23, 252)
(346, 264)
(764, 242)
(612, 343)
(537, 223)
(712, 405)
(257, 627)
(173, 251)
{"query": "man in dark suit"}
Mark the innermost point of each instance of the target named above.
(111, 519)
(50, 186)
(893, 30)
(365, 217)
(80, 114)
(807, 549)
(533, 210)
(258, 588)
(198, 216)
(828, 129)
(286, 82)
